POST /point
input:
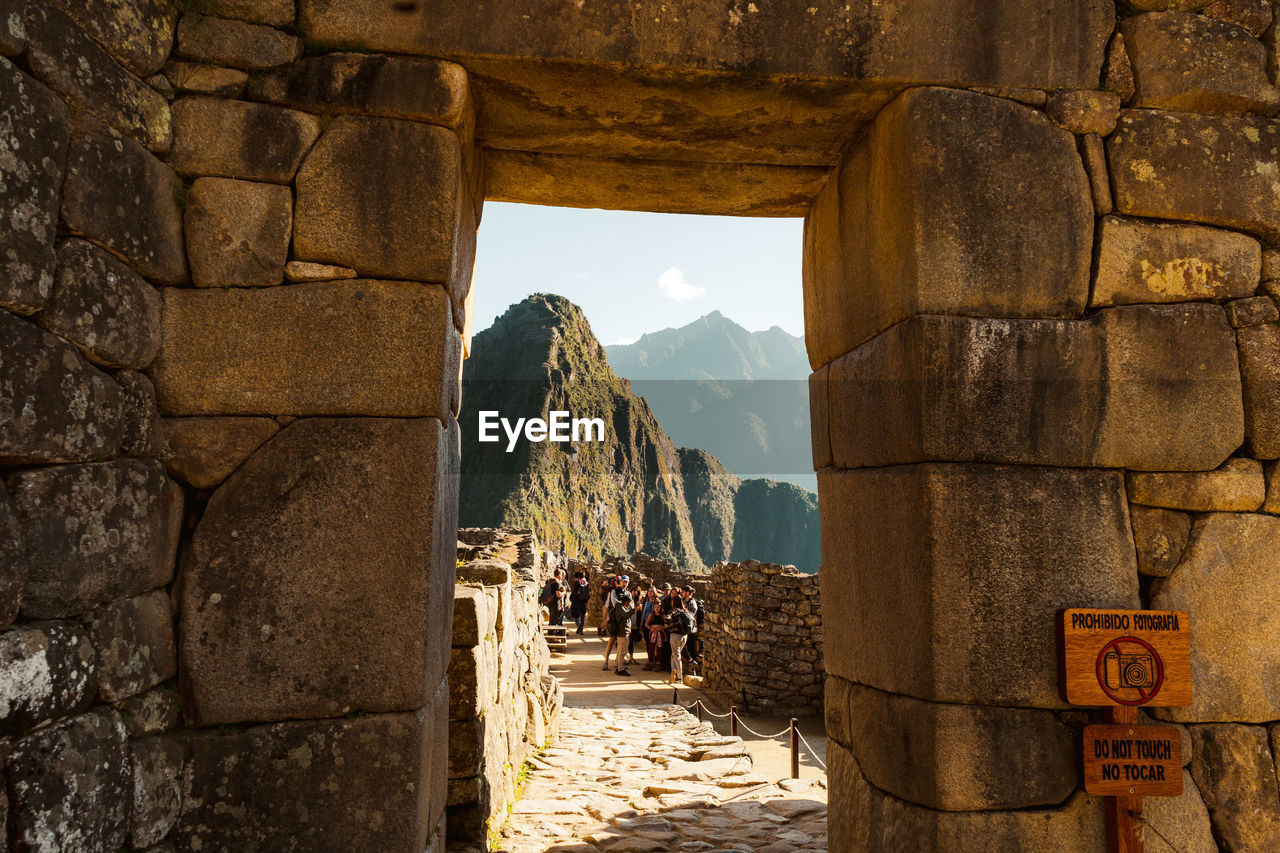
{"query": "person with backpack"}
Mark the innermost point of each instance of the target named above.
(617, 585)
(618, 626)
(552, 597)
(607, 587)
(579, 596)
(635, 633)
(694, 644)
(667, 600)
(656, 630)
(679, 627)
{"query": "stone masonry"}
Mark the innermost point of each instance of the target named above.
(1041, 265)
(990, 450)
(226, 548)
(504, 705)
(762, 638)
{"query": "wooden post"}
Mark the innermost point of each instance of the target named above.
(699, 710)
(795, 749)
(733, 720)
(1124, 814)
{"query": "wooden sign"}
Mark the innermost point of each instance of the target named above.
(1143, 761)
(1124, 657)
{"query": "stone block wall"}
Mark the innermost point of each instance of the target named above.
(1043, 325)
(504, 704)
(1040, 305)
(231, 325)
(762, 638)
(90, 521)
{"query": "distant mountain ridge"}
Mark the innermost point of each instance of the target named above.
(711, 347)
(743, 396)
(633, 491)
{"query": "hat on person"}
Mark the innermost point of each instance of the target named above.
(666, 587)
(624, 578)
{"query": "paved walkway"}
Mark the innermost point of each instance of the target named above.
(633, 773)
(587, 686)
(641, 780)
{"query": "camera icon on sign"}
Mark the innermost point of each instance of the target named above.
(1129, 670)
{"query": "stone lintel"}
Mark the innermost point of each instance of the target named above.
(664, 186)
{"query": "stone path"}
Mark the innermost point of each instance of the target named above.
(586, 686)
(638, 779)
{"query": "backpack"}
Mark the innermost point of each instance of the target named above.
(581, 592)
(619, 616)
(680, 622)
(548, 596)
(698, 614)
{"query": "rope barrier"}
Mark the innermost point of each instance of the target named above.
(792, 730)
(706, 709)
(731, 714)
(787, 730)
(812, 753)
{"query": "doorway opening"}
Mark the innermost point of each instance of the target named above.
(682, 336)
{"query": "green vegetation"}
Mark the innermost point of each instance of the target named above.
(620, 495)
(633, 491)
(776, 523)
(710, 490)
(493, 829)
(522, 777)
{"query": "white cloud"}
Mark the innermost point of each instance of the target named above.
(673, 286)
(622, 342)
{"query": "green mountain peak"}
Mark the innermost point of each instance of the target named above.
(632, 491)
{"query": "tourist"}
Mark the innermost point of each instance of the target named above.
(679, 626)
(693, 644)
(579, 596)
(611, 600)
(656, 630)
(667, 601)
(553, 597)
(635, 634)
(623, 585)
(607, 587)
(619, 626)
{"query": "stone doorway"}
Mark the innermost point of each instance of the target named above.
(1019, 415)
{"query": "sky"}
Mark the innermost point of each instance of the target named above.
(633, 273)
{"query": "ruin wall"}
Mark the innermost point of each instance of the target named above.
(1040, 294)
(504, 704)
(1095, 425)
(762, 638)
(228, 448)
